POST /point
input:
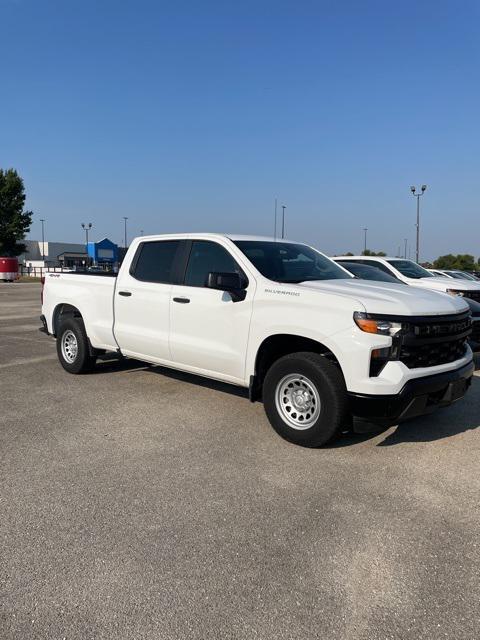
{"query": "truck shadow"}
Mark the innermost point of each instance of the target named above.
(199, 381)
(444, 423)
(109, 363)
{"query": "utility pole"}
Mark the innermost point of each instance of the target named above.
(275, 222)
(42, 220)
(417, 195)
(86, 228)
(365, 229)
(125, 231)
(283, 220)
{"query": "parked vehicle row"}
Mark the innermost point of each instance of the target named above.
(408, 272)
(454, 273)
(316, 344)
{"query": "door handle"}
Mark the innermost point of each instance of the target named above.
(124, 293)
(182, 300)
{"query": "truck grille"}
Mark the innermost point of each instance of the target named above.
(475, 331)
(430, 342)
(473, 295)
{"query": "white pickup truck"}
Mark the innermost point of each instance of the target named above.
(277, 317)
(415, 275)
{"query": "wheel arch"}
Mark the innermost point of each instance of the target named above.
(61, 310)
(278, 345)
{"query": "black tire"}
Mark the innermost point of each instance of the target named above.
(82, 362)
(326, 419)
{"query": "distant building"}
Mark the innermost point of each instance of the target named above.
(53, 254)
(68, 254)
(104, 252)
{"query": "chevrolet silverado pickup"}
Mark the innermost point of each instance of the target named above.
(316, 345)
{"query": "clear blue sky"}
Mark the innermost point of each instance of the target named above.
(195, 115)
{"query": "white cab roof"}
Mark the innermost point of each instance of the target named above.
(378, 258)
(201, 236)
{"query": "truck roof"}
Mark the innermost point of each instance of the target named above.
(231, 236)
(366, 258)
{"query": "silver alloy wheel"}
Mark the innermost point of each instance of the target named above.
(297, 401)
(69, 346)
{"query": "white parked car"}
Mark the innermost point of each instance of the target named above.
(276, 317)
(453, 273)
(413, 274)
(439, 273)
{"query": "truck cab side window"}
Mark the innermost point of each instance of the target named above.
(205, 257)
(155, 261)
(377, 265)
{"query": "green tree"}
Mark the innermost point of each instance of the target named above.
(368, 252)
(14, 221)
(462, 261)
(445, 262)
(466, 262)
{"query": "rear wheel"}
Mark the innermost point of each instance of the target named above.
(73, 347)
(305, 399)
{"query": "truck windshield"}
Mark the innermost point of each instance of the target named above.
(289, 262)
(410, 269)
(461, 276)
(366, 272)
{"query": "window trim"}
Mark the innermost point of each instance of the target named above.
(175, 277)
(186, 262)
(379, 265)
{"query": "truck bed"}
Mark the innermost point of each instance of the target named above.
(92, 293)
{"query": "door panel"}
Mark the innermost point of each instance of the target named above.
(142, 320)
(142, 300)
(208, 331)
(211, 331)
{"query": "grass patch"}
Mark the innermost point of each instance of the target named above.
(28, 279)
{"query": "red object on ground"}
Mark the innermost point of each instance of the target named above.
(8, 269)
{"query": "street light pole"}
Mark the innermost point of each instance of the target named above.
(283, 220)
(417, 196)
(42, 220)
(86, 228)
(405, 252)
(365, 229)
(125, 231)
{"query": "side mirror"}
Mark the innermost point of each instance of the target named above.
(234, 283)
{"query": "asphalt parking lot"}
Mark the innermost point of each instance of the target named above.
(141, 503)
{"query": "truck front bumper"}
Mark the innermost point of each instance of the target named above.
(418, 397)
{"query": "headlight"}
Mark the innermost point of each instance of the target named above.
(455, 292)
(376, 325)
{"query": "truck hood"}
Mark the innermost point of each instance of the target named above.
(442, 284)
(390, 299)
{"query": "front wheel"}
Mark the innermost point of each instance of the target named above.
(73, 348)
(305, 399)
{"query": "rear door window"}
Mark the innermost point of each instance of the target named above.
(155, 262)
